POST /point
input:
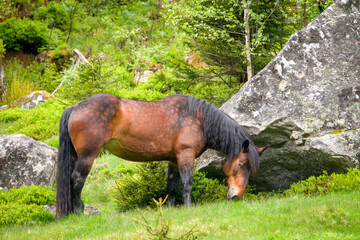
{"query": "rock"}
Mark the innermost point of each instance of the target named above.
(31, 100)
(142, 75)
(88, 210)
(305, 104)
(24, 161)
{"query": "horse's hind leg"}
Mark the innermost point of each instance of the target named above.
(82, 168)
(172, 183)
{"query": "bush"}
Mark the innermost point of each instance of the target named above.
(24, 34)
(99, 76)
(324, 184)
(138, 190)
(150, 181)
(23, 205)
(313, 186)
(16, 213)
(55, 14)
(28, 195)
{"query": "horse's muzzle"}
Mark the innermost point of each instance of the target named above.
(232, 194)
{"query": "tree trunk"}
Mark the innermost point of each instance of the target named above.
(304, 13)
(2, 81)
(249, 67)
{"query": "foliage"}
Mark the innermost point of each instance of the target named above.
(49, 77)
(161, 229)
(40, 123)
(94, 78)
(300, 12)
(15, 213)
(325, 184)
(312, 186)
(138, 190)
(55, 14)
(7, 10)
(216, 30)
(28, 195)
(24, 34)
(23, 205)
(2, 49)
(150, 181)
(19, 86)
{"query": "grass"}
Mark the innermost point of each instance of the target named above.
(332, 216)
(19, 87)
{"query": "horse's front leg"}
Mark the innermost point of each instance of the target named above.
(186, 159)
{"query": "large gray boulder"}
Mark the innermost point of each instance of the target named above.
(24, 161)
(305, 104)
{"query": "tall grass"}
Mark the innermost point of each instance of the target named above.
(19, 86)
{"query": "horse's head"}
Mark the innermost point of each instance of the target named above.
(239, 169)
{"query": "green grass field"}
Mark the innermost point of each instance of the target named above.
(332, 216)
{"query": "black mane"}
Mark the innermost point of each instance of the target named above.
(222, 132)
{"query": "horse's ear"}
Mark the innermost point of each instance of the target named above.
(245, 146)
(261, 150)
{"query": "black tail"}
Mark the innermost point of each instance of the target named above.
(65, 168)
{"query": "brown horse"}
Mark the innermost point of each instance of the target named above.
(177, 129)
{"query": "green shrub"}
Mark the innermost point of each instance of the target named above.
(138, 190)
(23, 205)
(99, 76)
(28, 195)
(49, 79)
(206, 189)
(150, 180)
(313, 186)
(15, 213)
(55, 14)
(324, 184)
(24, 34)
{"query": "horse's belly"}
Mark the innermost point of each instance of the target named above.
(139, 153)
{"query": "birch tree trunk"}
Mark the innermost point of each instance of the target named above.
(249, 68)
(2, 81)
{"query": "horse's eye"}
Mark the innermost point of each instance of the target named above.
(241, 164)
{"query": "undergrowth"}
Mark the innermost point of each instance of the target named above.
(314, 186)
(40, 123)
(24, 205)
(149, 181)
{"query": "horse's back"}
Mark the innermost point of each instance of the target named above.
(150, 130)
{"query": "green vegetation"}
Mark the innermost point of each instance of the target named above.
(23, 205)
(332, 216)
(192, 47)
(148, 181)
(40, 123)
(24, 34)
(316, 213)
